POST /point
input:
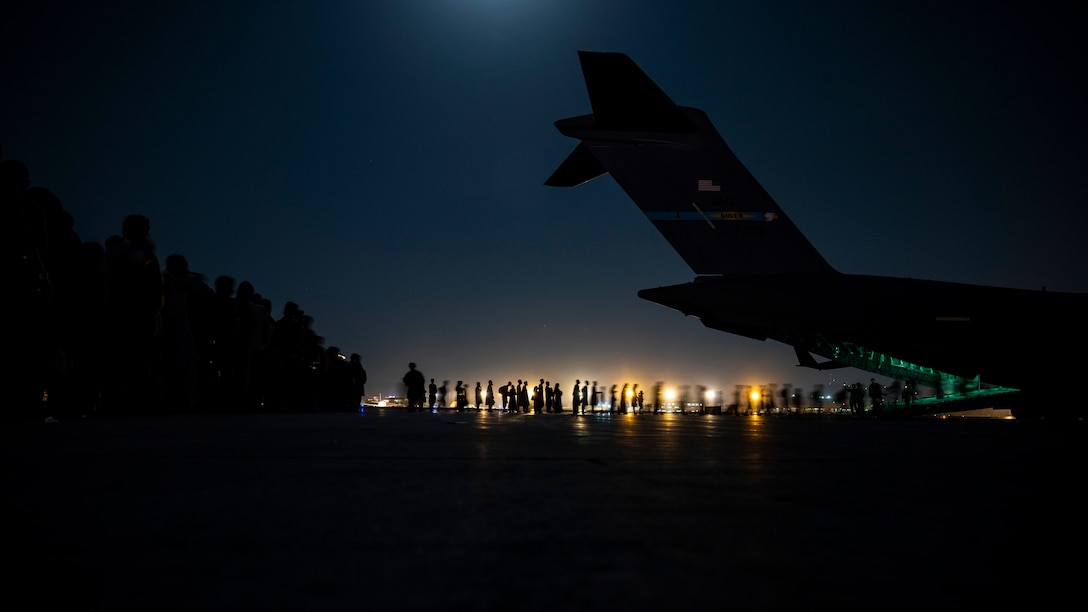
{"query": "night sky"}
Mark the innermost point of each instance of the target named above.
(382, 163)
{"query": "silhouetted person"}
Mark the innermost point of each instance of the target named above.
(432, 395)
(414, 384)
(288, 359)
(442, 390)
(490, 400)
(509, 398)
(523, 396)
(462, 396)
(842, 397)
(312, 351)
(249, 322)
(55, 244)
(479, 397)
(134, 296)
(358, 380)
(261, 373)
(26, 295)
(612, 399)
(575, 396)
(857, 399)
(585, 395)
(593, 400)
(334, 384)
(549, 397)
(88, 343)
(895, 390)
(180, 361)
(876, 395)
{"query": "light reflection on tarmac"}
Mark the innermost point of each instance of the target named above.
(474, 511)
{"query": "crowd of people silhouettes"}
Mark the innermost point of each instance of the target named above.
(103, 328)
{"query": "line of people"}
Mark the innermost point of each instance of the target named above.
(546, 398)
(520, 397)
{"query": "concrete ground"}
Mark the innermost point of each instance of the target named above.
(392, 510)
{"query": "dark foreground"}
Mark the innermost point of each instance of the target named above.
(486, 511)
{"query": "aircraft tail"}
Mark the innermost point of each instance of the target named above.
(671, 161)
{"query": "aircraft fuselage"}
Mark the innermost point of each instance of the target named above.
(958, 328)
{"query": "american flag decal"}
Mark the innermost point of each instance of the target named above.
(708, 185)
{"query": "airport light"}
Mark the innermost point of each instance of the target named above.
(754, 395)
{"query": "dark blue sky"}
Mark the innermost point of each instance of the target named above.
(381, 163)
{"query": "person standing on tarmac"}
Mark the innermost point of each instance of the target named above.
(538, 398)
(857, 399)
(441, 401)
(414, 386)
(462, 396)
(876, 395)
(507, 391)
(523, 396)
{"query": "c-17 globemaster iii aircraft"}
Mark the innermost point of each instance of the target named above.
(977, 346)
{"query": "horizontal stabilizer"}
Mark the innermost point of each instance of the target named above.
(581, 166)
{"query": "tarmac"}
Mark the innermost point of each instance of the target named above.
(392, 510)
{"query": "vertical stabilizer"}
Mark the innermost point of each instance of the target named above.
(675, 166)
